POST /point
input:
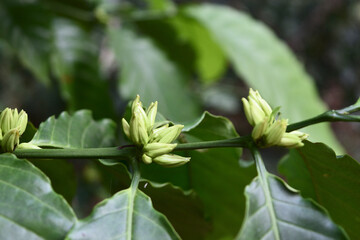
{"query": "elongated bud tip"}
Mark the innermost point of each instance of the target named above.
(27, 146)
(126, 127)
(10, 140)
(247, 111)
(146, 159)
(171, 160)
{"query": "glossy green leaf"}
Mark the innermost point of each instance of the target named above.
(276, 211)
(266, 64)
(75, 62)
(29, 208)
(183, 209)
(55, 170)
(145, 70)
(129, 214)
(331, 181)
(75, 131)
(215, 173)
(26, 26)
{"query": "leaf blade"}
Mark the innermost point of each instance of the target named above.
(75, 131)
(31, 205)
(100, 224)
(327, 179)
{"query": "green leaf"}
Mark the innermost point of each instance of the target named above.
(75, 63)
(129, 214)
(29, 207)
(210, 62)
(26, 26)
(76, 131)
(331, 181)
(266, 64)
(183, 209)
(145, 70)
(215, 173)
(55, 170)
(276, 211)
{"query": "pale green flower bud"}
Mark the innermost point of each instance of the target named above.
(247, 111)
(135, 103)
(171, 160)
(138, 130)
(22, 121)
(151, 115)
(10, 140)
(170, 134)
(28, 146)
(126, 127)
(6, 120)
(260, 129)
(134, 129)
(157, 149)
(301, 135)
(256, 112)
(146, 159)
(275, 132)
(290, 141)
(1, 136)
(15, 114)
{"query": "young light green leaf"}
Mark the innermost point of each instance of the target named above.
(276, 211)
(331, 181)
(266, 64)
(147, 71)
(29, 208)
(75, 131)
(129, 214)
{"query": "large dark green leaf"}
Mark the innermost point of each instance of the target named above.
(29, 208)
(55, 170)
(331, 181)
(129, 214)
(266, 64)
(215, 173)
(145, 70)
(183, 209)
(76, 131)
(76, 64)
(276, 211)
(26, 26)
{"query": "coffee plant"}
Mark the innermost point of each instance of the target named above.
(174, 171)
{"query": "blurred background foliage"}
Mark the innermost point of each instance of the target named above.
(189, 55)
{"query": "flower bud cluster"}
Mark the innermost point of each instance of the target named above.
(12, 126)
(156, 142)
(269, 131)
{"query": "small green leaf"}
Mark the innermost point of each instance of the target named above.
(276, 211)
(29, 208)
(76, 131)
(331, 181)
(266, 64)
(145, 70)
(129, 214)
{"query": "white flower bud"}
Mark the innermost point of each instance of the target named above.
(126, 127)
(171, 160)
(157, 149)
(10, 140)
